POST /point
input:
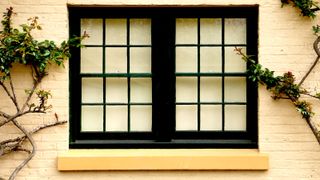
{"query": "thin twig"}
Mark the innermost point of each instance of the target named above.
(9, 147)
(11, 118)
(22, 149)
(14, 143)
(5, 115)
(8, 92)
(14, 140)
(13, 94)
(35, 85)
(310, 95)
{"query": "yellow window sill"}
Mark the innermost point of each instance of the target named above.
(163, 159)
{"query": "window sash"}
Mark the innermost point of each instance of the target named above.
(164, 84)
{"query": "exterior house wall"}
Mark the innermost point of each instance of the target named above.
(285, 44)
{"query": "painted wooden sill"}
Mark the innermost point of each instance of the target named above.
(163, 159)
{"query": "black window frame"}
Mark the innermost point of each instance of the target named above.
(163, 133)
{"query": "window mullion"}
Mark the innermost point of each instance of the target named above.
(129, 77)
(104, 72)
(223, 72)
(163, 79)
(198, 76)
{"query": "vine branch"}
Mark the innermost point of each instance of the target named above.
(31, 155)
(9, 94)
(317, 50)
(13, 93)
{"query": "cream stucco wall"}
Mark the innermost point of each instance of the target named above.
(285, 44)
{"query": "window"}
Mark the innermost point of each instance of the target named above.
(163, 77)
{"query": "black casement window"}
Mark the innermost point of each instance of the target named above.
(163, 77)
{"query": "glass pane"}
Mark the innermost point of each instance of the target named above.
(92, 118)
(140, 31)
(141, 90)
(186, 59)
(92, 90)
(235, 89)
(186, 89)
(141, 118)
(235, 117)
(186, 118)
(116, 90)
(233, 62)
(210, 89)
(116, 31)
(186, 31)
(91, 60)
(140, 60)
(116, 60)
(235, 31)
(116, 118)
(93, 27)
(210, 59)
(210, 31)
(211, 118)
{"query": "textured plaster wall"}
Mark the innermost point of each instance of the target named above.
(285, 44)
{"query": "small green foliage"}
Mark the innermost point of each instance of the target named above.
(280, 86)
(257, 73)
(286, 86)
(307, 7)
(304, 108)
(316, 30)
(18, 46)
(43, 97)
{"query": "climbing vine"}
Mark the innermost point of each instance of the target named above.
(281, 87)
(307, 7)
(285, 86)
(18, 46)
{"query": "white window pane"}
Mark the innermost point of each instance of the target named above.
(92, 118)
(141, 118)
(91, 60)
(116, 60)
(116, 118)
(235, 118)
(116, 90)
(140, 60)
(235, 89)
(235, 31)
(92, 90)
(186, 118)
(186, 59)
(210, 59)
(233, 62)
(141, 90)
(186, 31)
(211, 118)
(116, 31)
(210, 89)
(186, 89)
(93, 27)
(140, 31)
(210, 31)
